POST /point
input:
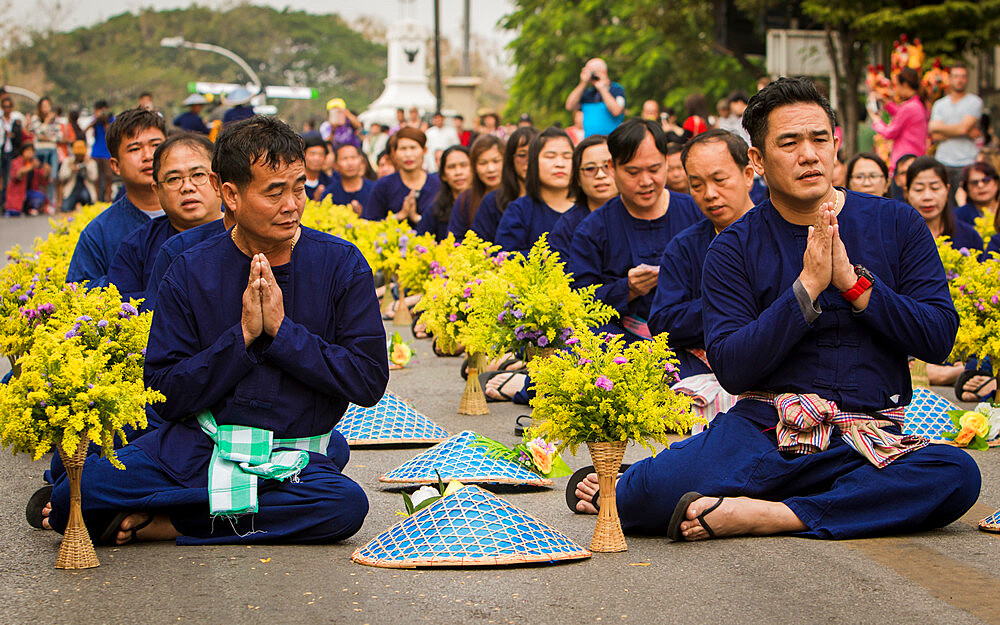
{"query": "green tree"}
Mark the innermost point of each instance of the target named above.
(121, 57)
(655, 50)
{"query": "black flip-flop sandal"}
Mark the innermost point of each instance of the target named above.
(33, 511)
(465, 368)
(574, 480)
(110, 532)
(964, 377)
(487, 376)
(680, 515)
(522, 423)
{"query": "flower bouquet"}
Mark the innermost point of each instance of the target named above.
(530, 305)
(976, 293)
(974, 428)
(80, 381)
(985, 227)
(425, 260)
(325, 216)
(534, 455)
(605, 393)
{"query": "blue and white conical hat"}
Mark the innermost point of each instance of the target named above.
(471, 527)
(927, 415)
(455, 459)
(989, 524)
(389, 422)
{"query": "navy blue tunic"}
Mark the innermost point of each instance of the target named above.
(610, 241)
(458, 223)
(966, 236)
(171, 249)
(858, 360)
(329, 350)
(335, 191)
(561, 237)
(389, 192)
(487, 218)
(191, 122)
(132, 265)
(99, 241)
(677, 307)
(524, 221)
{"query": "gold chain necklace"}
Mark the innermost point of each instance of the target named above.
(232, 235)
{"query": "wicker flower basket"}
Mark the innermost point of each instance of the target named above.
(403, 316)
(14, 367)
(473, 398)
(533, 352)
(607, 459)
(76, 551)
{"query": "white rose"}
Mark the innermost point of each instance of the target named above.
(423, 494)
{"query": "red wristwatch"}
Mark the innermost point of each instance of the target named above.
(865, 282)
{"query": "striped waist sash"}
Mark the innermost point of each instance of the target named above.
(805, 424)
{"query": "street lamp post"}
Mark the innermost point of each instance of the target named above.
(179, 42)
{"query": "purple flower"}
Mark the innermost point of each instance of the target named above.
(47, 308)
(543, 341)
(103, 323)
(518, 314)
(70, 334)
(15, 288)
(452, 317)
(995, 300)
(620, 360)
(603, 382)
(90, 404)
(421, 249)
(500, 317)
(964, 251)
(41, 404)
(22, 298)
(467, 292)
(84, 318)
(669, 368)
(572, 341)
(478, 281)
(90, 386)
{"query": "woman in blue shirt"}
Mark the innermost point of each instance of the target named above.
(410, 191)
(455, 172)
(550, 159)
(591, 184)
(515, 168)
(927, 191)
(486, 156)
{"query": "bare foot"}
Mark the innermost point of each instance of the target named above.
(502, 387)
(160, 528)
(739, 516)
(46, 511)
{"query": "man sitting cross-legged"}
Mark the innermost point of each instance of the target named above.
(182, 168)
(812, 303)
(720, 176)
(259, 341)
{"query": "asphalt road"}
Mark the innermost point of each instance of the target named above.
(947, 576)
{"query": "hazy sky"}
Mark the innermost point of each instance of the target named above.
(485, 13)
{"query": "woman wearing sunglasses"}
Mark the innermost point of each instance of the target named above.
(982, 189)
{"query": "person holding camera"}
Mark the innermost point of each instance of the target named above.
(601, 101)
(78, 177)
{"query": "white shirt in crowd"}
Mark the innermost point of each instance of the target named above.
(438, 139)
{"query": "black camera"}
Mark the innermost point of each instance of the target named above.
(594, 77)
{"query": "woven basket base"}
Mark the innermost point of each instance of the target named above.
(473, 400)
(608, 535)
(76, 550)
(403, 317)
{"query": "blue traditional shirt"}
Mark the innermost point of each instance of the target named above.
(191, 122)
(335, 191)
(100, 239)
(525, 220)
(487, 218)
(171, 249)
(561, 236)
(677, 307)
(759, 338)
(133, 263)
(610, 241)
(328, 352)
(389, 192)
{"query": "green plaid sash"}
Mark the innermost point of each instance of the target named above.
(242, 454)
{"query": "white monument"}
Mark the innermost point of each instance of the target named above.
(406, 83)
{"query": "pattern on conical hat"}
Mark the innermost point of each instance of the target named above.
(454, 459)
(927, 415)
(471, 527)
(991, 523)
(389, 422)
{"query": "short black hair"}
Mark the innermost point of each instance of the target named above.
(902, 160)
(866, 156)
(624, 141)
(337, 148)
(192, 140)
(575, 188)
(782, 92)
(130, 123)
(101, 104)
(738, 96)
(145, 94)
(532, 181)
(737, 146)
(909, 77)
(673, 147)
(315, 141)
(260, 139)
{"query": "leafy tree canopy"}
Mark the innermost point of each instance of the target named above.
(122, 57)
(655, 50)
